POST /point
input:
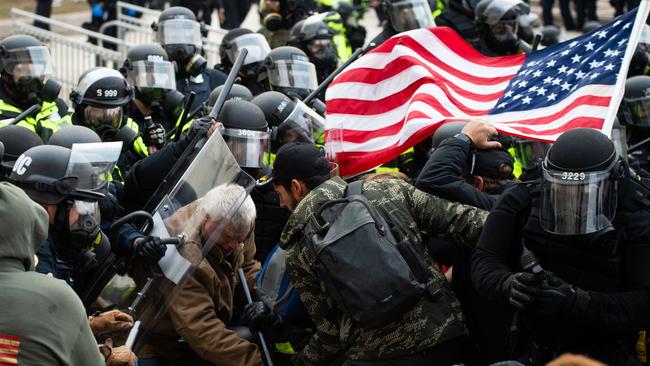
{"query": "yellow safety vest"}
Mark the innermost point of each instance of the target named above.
(138, 144)
(185, 128)
(45, 123)
(343, 48)
(517, 166)
(394, 165)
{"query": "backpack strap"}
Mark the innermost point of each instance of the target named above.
(354, 188)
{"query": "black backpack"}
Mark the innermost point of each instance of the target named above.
(373, 275)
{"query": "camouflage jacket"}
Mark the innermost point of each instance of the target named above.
(435, 319)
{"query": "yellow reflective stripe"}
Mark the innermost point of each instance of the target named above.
(140, 147)
(385, 169)
(269, 159)
(517, 167)
(8, 107)
(285, 348)
(641, 348)
(132, 125)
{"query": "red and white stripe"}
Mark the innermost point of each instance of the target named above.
(399, 93)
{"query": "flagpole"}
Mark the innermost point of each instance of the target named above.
(619, 90)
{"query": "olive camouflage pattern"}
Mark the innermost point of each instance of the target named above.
(435, 319)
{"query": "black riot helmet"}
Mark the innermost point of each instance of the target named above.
(498, 21)
(640, 63)
(16, 140)
(288, 70)
(581, 176)
(148, 69)
(67, 136)
(241, 38)
(99, 98)
(27, 68)
(404, 15)
(447, 130)
(246, 132)
(314, 36)
(550, 35)
(179, 34)
(635, 107)
(289, 120)
(237, 91)
(52, 175)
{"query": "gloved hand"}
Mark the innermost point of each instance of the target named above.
(97, 11)
(112, 322)
(519, 289)
(150, 248)
(118, 356)
(154, 135)
(559, 297)
(258, 315)
(200, 127)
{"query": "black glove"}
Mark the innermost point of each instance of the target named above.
(519, 289)
(154, 135)
(559, 297)
(258, 315)
(150, 248)
(199, 127)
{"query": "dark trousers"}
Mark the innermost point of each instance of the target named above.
(565, 10)
(445, 354)
(44, 9)
(586, 10)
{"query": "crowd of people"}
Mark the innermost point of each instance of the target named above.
(470, 248)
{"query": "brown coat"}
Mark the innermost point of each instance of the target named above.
(200, 312)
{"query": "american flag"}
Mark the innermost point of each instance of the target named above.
(399, 93)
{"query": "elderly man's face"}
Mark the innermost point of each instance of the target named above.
(230, 239)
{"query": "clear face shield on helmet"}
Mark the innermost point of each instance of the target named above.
(410, 14)
(154, 77)
(294, 75)
(29, 68)
(637, 111)
(257, 46)
(93, 164)
(247, 146)
(179, 32)
(302, 125)
(575, 203)
(530, 152)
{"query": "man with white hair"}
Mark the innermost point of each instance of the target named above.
(195, 330)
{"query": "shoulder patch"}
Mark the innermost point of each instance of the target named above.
(9, 346)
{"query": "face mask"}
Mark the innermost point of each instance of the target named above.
(187, 58)
(71, 239)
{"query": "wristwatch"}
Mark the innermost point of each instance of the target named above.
(463, 137)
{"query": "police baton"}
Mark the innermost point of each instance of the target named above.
(249, 299)
(184, 117)
(198, 141)
(335, 73)
(26, 113)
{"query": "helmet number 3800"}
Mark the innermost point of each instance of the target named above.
(107, 93)
(573, 176)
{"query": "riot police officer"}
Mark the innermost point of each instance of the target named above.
(149, 71)
(237, 92)
(288, 70)
(315, 38)
(258, 48)
(568, 252)
(179, 34)
(26, 81)
(279, 16)
(498, 25)
(634, 113)
(99, 100)
(15, 140)
(402, 16)
(459, 16)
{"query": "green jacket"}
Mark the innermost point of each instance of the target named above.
(435, 319)
(42, 321)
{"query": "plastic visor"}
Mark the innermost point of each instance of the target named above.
(152, 74)
(248, 147)
(93, 164)
(302, 125)
(411, 14)
(89, 216)
(530, 152)
(637, 111)
(30, 62)
(575, 203)
(257, 46)
(179, 31)
(293, 74)
(101, 118)
(214, 166)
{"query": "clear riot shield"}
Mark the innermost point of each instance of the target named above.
(179, 215)
(93, 164)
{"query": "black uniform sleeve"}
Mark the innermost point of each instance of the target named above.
(217, 78)
(61, 106)
(498, 250)
(444, 172)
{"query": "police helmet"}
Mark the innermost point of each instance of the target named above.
(148, 69)
(246, 132)
(581, 174)
(67, 136)
(493, 12)
(447, 130)
(404, 15)
(241, 38)
(287, 69)
(101, 87)
(550, 35)
(179, 34)
(636, 101)
(25, 64)
(236, 92)
(17, 140)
